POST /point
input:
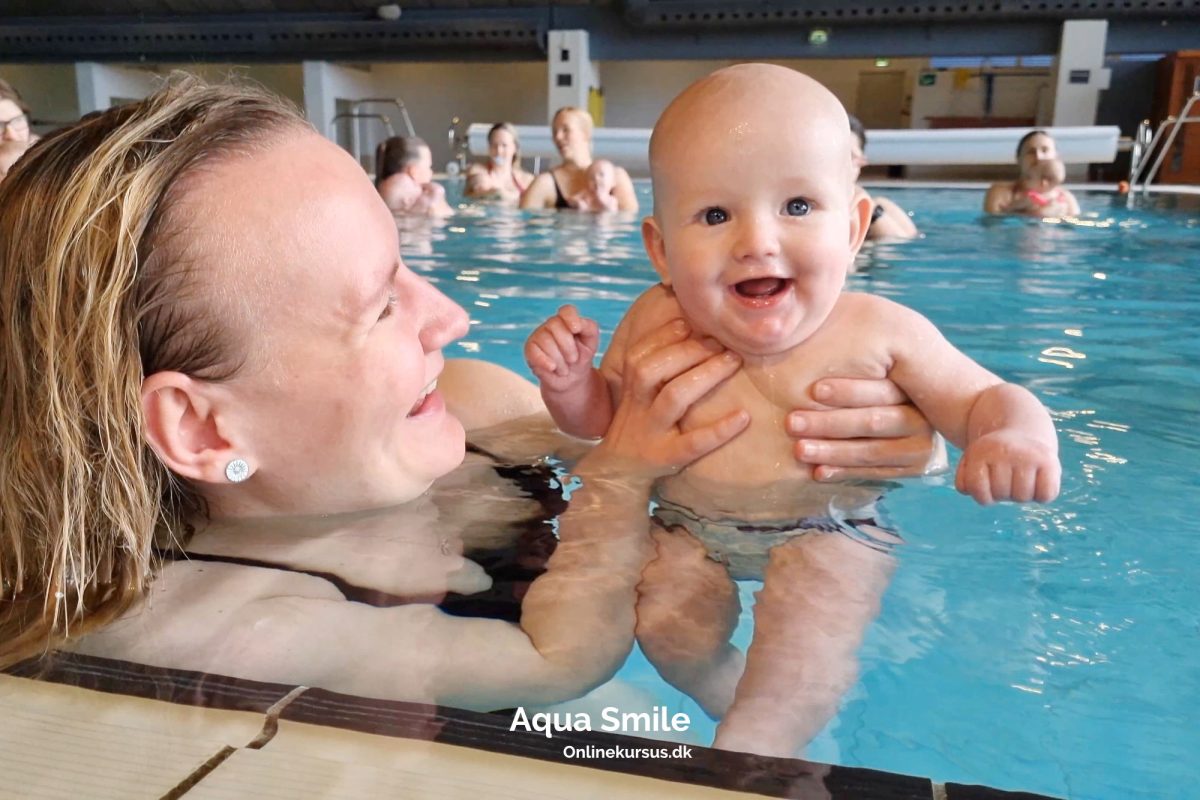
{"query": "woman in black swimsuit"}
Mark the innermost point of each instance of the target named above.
(572, 128)
(888, 220)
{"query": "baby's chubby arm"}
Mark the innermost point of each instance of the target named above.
(1010, 448)
(560, 353)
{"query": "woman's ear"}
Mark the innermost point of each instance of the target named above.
(185, 426)
(652, 239)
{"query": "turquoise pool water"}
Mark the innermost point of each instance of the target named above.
(1052, 649)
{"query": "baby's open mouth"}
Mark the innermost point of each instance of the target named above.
(761, 288)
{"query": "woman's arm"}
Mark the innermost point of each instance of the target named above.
(577, 618)
(894, 224)
(541, 193)
(624, 192)
(998, 198)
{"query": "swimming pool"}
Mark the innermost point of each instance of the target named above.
(1050, 649)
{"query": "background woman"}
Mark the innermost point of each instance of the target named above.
(572, 129)
(501, 176)
(1034, 151)
(888, 220)
(14, 115)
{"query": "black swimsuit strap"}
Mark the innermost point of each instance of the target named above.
(512, 568)
(560, 200)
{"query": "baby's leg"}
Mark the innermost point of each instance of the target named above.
(687, 610)
(820, 592)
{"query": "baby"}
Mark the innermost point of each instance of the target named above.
(754, 225)
(601, 181)
(405, 178)
(1041, 194)
(9, 153)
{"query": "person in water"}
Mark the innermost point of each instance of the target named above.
(756, 267)
(218, 355)
(1012, 197)
(1042, 192)
(601, 185)
(404, 178)
(888, 220)
(502, 176)
(572, 130)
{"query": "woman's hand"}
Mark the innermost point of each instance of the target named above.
(665, 373)
(872, 432)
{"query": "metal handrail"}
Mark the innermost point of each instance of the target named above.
(458, 145)
(1137, 168)
(354, 148)
(394, 101)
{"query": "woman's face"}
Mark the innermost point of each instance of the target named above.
(1036, 149)
(333, 408)
(571, 137)
(16, 124)
(502, 147)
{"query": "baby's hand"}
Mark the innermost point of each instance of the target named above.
(561, 350)
(1009, 465)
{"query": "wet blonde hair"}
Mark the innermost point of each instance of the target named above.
(99, 292)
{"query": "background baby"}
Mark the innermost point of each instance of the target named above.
(601, 182)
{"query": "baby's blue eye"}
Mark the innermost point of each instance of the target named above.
(798, 207)
(715, 216)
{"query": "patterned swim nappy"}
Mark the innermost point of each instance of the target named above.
(743, 547)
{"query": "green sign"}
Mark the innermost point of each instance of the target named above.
(927, 79)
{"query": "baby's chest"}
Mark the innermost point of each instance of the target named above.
(765, 450)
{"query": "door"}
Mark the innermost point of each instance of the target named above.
(881, 99)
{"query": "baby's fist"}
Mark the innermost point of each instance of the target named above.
(1007, 465)
(560, 351)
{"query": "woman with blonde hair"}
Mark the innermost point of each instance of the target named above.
(226, 423)
(502, 176)
(572, 130)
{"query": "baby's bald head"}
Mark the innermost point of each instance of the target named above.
(750, 106)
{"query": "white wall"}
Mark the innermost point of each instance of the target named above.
(1015, 94)
(477, 92)
(635, 92)
(101, 86)
(48, 89)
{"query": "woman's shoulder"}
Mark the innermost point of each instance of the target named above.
(481, 394)
(998, 194)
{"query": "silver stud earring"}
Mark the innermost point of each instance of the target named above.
(237, 470)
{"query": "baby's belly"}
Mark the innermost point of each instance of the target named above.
(757, 477)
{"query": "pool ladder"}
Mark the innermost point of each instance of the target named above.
(356, 112)
(1144, 145)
